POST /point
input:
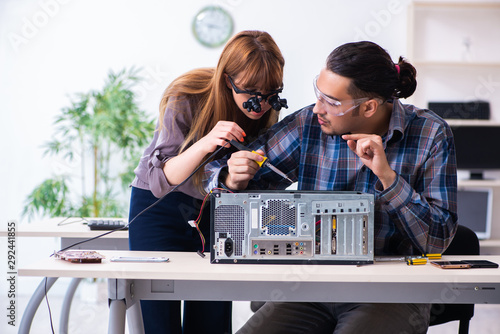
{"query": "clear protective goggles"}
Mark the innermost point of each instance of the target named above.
(332, 106)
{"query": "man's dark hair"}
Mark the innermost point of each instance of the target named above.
(372, 71)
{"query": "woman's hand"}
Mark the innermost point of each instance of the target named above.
(222, 132)
(178, 168)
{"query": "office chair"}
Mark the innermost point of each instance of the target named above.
(465, 242)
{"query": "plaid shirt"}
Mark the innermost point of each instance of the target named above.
(415, 215)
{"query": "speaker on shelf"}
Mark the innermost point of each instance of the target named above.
(461, 110)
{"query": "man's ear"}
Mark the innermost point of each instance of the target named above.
(370, 107)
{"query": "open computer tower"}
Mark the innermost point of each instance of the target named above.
(320, 227)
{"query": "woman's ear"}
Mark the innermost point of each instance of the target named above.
(370, 107)
(228, 83)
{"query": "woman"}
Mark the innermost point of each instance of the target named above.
(199, 112)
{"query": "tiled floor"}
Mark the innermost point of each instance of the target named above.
(89, 313)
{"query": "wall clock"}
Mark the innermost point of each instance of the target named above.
(212, 26)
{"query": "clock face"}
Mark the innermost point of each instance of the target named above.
(212, 26)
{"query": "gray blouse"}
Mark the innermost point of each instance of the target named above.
(165, 145)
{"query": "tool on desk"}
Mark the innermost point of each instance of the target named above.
(263, 163)
(433, 256)
(390, 258)
(410, 260)
(415, 260)
(138, 259)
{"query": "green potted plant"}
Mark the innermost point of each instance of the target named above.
(100, 128)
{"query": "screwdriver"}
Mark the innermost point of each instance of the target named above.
(415, 260)
(264, 163)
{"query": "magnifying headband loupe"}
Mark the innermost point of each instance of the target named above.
(253, 102)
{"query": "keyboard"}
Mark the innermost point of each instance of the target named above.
(107, 224)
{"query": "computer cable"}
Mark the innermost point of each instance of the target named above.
(196, 223)
(150, 206)
(140, 213)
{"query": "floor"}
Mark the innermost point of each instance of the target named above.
(89, 313)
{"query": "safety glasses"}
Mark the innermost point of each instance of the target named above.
(332, 106)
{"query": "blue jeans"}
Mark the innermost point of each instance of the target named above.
(164, 227)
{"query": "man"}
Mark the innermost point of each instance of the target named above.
(359, 137)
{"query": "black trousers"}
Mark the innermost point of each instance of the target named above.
(338, 318)
(164, 227)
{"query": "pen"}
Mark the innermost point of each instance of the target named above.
(264, 162)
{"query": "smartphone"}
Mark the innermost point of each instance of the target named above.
(481, 263)
(451, 264)
(138, 259)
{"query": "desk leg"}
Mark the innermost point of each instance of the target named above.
(68, 298)
(123, 304)
(134, 318)
(34, 303)
(117, 296)
(117, 310)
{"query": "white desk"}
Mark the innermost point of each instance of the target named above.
(189, 277)
(70, 231)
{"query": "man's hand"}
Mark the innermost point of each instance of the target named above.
(242, 168)
(370, 150)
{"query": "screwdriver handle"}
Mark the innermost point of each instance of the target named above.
(242, 147)
(260, 163)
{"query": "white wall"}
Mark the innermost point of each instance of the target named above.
(52, 49)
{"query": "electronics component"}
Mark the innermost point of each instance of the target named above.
(79, 256)
(292, 227)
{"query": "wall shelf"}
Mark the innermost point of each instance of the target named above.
(453, 46)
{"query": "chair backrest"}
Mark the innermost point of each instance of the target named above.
(465, 242)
